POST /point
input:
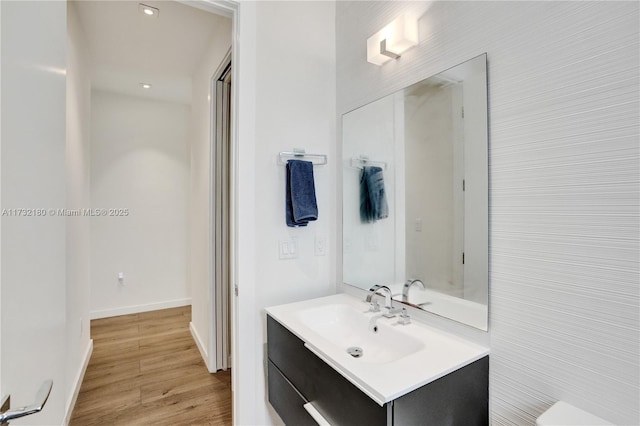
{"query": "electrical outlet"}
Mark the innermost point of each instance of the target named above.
(320, 246)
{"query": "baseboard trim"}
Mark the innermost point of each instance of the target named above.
(135, 309)
(71, 403)
(200, 345)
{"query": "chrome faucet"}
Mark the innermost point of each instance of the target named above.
(388, 304)
(407, 286)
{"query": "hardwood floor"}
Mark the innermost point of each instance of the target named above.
(146, 370)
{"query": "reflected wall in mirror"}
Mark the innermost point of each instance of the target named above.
(419, 156)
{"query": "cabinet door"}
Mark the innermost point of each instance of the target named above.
(337, 399)
(460, 398)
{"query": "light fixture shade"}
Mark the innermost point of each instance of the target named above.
(373, 50)
(398, 36)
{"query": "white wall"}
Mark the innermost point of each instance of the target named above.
(286, 100)
(34, 43)
(139, 162)
(77, 197)
(563, 119)
(200, 184)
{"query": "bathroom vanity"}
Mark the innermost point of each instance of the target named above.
(406, 374)
(422, 231)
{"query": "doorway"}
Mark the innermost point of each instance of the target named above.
(55, 307)
(159, 45)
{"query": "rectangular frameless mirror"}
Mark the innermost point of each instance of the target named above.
(415, 194)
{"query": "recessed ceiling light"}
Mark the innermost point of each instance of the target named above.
(145, 85)
(148, 10)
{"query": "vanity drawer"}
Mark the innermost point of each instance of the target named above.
(335, 398)
(286, 400)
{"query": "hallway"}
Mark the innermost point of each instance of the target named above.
(146, 369)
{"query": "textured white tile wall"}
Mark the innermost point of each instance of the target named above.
(564, 185)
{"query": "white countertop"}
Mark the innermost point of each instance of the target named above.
(437, 355)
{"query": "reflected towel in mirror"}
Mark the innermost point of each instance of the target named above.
(373, 200)
(301, 206)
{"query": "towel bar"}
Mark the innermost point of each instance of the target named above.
(299, 154)
(360, 162)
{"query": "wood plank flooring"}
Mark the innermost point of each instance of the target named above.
(146, 370)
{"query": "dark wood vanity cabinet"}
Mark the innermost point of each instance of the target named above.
(297, 376)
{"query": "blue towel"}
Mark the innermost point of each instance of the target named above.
(373, 201)
(301, 206)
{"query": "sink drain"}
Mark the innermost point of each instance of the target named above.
(355, 351)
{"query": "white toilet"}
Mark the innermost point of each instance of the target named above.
(563, 414)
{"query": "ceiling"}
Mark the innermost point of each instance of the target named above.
(127, 48)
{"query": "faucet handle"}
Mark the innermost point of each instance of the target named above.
(374, 306)
(394, 310)
(404, 317)
(391, 311)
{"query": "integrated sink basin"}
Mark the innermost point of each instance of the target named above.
(385, 364)
(345, 327)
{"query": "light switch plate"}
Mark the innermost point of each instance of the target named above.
(288, 248)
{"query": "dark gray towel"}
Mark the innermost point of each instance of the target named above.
(301, 205)
(373, 201)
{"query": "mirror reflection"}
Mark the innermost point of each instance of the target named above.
(415, 199)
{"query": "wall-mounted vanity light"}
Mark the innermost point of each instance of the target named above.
(392, 40)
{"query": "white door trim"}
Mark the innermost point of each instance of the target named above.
(219, 264)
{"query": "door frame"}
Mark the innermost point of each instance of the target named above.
(219, 277)
(230, 9)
